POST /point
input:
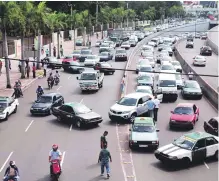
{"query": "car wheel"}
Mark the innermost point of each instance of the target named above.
(50, 112)
(59, 119)
(6, 117)
(132, 118)
(200, 97)
(78, 124)
(216, 155)
(15, 110)
(186, 162)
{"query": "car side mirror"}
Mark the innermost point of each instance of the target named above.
(157, 130)
(172, 112)
(77, 78)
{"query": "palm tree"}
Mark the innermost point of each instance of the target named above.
(84, 15)
(9, 12)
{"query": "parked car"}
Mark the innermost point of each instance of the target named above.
(211, 126)
(206, 50)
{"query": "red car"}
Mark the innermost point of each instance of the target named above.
(184, 115)
(69, 58)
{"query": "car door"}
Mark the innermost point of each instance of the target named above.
(196, 112)
(211, 146)
(145, 108)
(11, 105)
(140, 106)
(210, 126)
(54, 101)
(70, 114)
(59, 100)
(199, 151)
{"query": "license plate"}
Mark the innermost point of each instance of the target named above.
(143, 146)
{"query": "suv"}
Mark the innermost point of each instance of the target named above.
(129, 107)
(121, 55)
(189, 44)
(205, 50)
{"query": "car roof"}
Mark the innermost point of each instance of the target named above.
(137, 95)
(146, 120)
(198, 135)
(73, 104)
(185, 104)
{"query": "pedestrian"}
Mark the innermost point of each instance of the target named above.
(103, 139)
(150, 104)
(34, 70)
(122, 83)
(28, 70)
(33, 47)
(54, 51)
(47, 52)
(61, 51)
(44, 69)
(104, 158)
(97, 35)
(0, 67)
(19, 66)
(156, 108)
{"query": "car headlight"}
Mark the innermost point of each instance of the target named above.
(155, 142)
(31, 108)
(157, 152)
(172, 120)
(125, 112)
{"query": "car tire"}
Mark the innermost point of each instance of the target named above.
(78, 124)
(6, 117)
(132, 118)
(15, 110)
(59, 119)
(186, 162)
(216, 155)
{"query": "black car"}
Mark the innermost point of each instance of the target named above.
(45, 103)
(76, 114)
(84, 53)
(121, 55)
(72, 66)
(206, 50)
(211, 126)
(104, 67)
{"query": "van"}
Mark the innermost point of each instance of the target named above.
(168, 86)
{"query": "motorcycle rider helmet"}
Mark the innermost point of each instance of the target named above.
(57, 71)
(55, 147)
(12, 163)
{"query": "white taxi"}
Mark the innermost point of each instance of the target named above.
(8, 105)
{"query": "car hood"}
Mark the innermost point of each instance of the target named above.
(181, 117)
(192, 90)
(117, 107)
(103, 56)
(142, 136)
(90, 115)
(41, 105)
(173, 150)
(145, 82)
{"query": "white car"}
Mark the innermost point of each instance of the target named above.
(190, 147)
(199, 60)
(147, 48)
(8, 105)
(111, 44)
(140, 63)
(151, 60)
(91, 60)
(151, 43)
(130, 106)
(144, 89)
(165, 59)
(104, 45)
(98, 43)
(179, 81)
(126, 45)
(161, 55)
(177, 66)
(147, 54)
(167, 67)
(145, 70)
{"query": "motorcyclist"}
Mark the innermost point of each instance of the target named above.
(56, 77)
(55, 154)
(17, 89)
(11, 172)
(39, 91)
(50, 78)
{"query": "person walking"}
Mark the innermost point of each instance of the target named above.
(0, 67)
(61, 51)
(28, 70)
(104, 158)
(54, 51)
(103, 139)
(34, 70)
(150, 104)
(44, 69)
(47, 52)
(156, 108)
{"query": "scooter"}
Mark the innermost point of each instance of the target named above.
(56, 170)
(56, 81)
(50, 84)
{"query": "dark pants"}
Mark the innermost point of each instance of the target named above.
(28, 74)
(34, 74)
(155, 114)
(44, 72)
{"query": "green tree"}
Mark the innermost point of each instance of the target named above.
(150, 13)
(9, 12)
(84, 18)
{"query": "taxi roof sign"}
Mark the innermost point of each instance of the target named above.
(197, 135)
(146, 120)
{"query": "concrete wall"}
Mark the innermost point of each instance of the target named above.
(213, 39)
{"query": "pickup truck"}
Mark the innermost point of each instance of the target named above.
(90, 80)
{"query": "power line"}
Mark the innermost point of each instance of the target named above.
(119, 69)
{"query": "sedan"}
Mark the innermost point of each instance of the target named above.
(72, 66)
(126, 45)
(98, 43)
(53, 62)
(169, 50)
(105, 56)
(204, 37)
(147, 54)
(177, 66)
(206, 50)
(199, 61)
(68, 58)
(144, 89)
(76, 54)
(211, 126)
(145, 80)
(141, 62)
(167, 67)
(104, 67)
(191, 89)
(145, 70)
(79, 42)
(151, 43)
(147, 48)
(132, 43)
(91, 60)
(184, 115)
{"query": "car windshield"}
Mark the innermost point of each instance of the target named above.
(3, 105)
(81, 109)
(45, 99)
(145, 69)
(191, 85)
(167, 83)
(183, 110)
(120, 51)
(126, 101)
(143, 128)
(145, 78)
(184, 142)
(144, 91)
(104, 54)
(167, 67)
(88, 76)
(85, 52)
(175, 63)
(91, 57)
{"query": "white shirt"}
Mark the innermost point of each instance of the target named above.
(45, 66)
(55, 155)
(157, 103)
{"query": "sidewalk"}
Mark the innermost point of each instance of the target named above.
(68, 47)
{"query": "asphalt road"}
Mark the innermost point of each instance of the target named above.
(211, 67)
(28, 140)
(145, 165)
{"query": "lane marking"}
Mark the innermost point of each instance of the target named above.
(59, 88)
(81, 101)
(63, 157)
(29, 125)
(69, 77)
(70, 128)
(6, 161)
(206, 165)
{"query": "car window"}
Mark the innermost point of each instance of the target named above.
(140, 101)
(54, 99)
(59, 97)
(69, 109)
(63, 108)
(210, 141)
(200, 144)
(213, 123)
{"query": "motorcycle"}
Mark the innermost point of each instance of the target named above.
(12, 179)
(17, 93)
(56, 80)
(50, 84)
(39, 94)
(56, 170)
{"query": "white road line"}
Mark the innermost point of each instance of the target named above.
(69, 77)
(6, 161)
(206, 165)
(29, 125)
(70, 128)
(81, 101)
(63, 157)
(59, 88)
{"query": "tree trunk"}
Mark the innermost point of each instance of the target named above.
(50, 45)
(5, 42)
(84, 35)
(38, 49)
(58, 48)
(74, 39)
(22, 58)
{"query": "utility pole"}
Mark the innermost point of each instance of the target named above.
(127, 15)
(97, 10)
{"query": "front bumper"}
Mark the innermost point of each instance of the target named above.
(119, 117)
(199, 63)
(93, 121)
(144, 144)
(165, 158)
(121, 58)
(192, 95)
(2, 116)
(89, 88)
(180, 124)
(37, 111)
